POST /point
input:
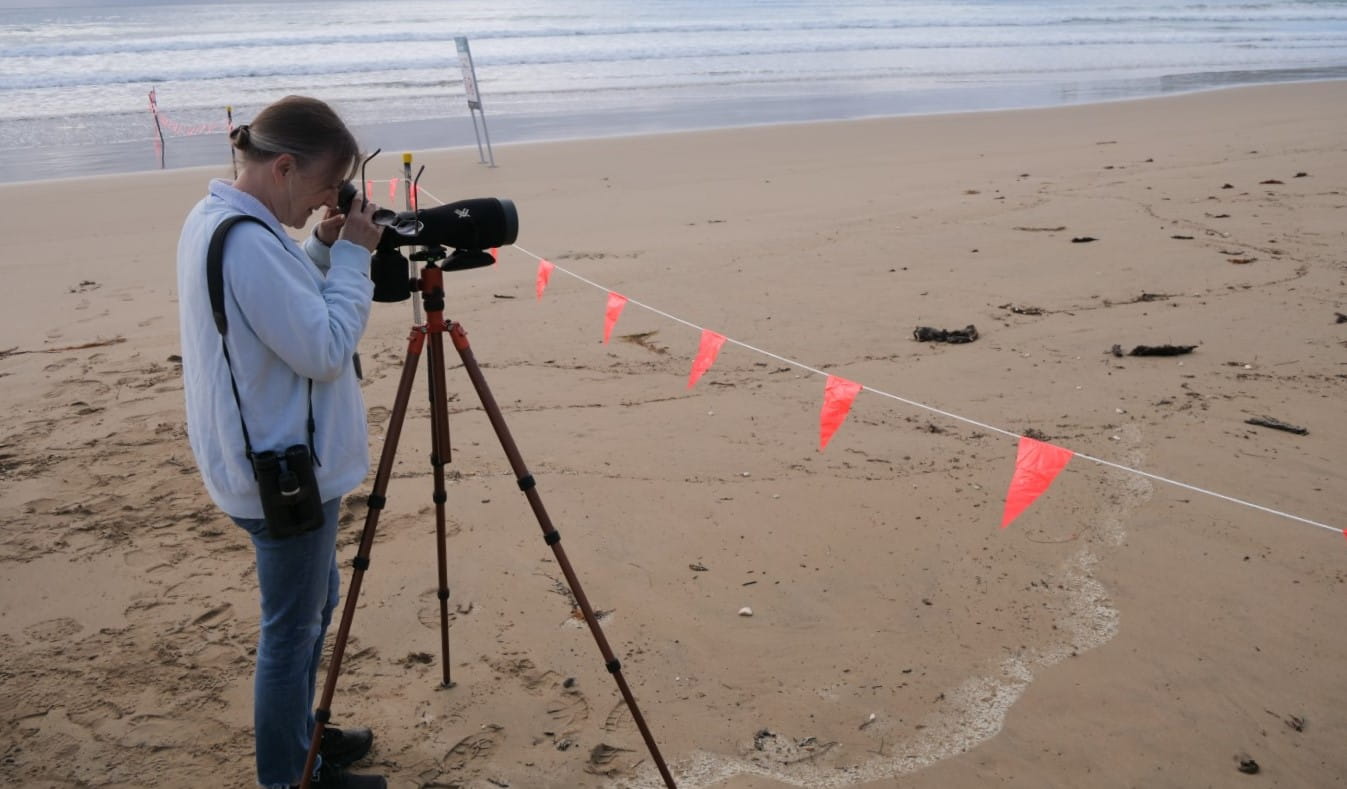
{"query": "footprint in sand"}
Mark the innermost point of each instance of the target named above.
(429, 614)
(53, 629)
(215, 617)
(147, 565)
(152, 731)
(55, 725)
(84, 389)
(41, 506)
(96, 716)
(611, 761)
(569, 709)
(55, 366)
(618, 718)
(467, 756)
(538, 681)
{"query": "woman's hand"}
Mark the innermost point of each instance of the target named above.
(358, 227)
(329, 227)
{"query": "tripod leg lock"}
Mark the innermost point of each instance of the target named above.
(552, 537)
(440, 497)
(527, 483)
(614, 666)
(376, 502)
(322, 716)
(443, 594)
(360, 563)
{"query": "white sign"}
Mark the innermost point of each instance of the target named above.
(474, 99)
(469, 73)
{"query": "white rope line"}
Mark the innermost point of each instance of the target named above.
(1204, 491)
(930, 408)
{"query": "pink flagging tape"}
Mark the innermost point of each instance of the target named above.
(706, 355)
(192, 130)
(544, 274)
(616, 301)
(838, 395)
(1037, 464)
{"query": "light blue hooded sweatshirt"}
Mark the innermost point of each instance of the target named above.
(294, 314)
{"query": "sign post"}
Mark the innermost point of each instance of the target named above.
(229, 130)
(474, 100)
(158, 130)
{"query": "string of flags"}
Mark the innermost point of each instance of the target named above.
(1037, 463)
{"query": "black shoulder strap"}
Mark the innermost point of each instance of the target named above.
(215, 266)
(215, 284)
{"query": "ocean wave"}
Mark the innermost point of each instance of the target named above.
(146, 75)
(1113, 16)
(388, 100)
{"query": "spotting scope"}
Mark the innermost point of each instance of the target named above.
(470, 227)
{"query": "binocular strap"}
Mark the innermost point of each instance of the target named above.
(215, 283)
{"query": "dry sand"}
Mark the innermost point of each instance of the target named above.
(1122, 633)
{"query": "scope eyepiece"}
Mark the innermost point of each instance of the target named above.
(383, 217)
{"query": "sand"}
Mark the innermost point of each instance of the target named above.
(1122, 632)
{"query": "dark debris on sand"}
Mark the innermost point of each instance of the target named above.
(1154, 350)
(1277, 424)
(956, 336)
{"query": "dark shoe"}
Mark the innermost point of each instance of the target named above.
(344, 747)
(333, 777)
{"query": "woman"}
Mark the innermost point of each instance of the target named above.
(294, 315)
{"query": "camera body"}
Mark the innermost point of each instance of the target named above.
(291, 502)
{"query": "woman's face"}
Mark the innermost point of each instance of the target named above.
(308, 188)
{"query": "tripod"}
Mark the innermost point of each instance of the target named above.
(428, 289)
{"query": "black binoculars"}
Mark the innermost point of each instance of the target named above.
(291, 503)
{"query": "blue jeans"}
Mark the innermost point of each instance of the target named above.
(298, 580)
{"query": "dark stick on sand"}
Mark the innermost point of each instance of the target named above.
(1276, 424)
(7, 352)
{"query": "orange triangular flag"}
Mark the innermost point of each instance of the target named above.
(544, 274)
(616, 301)
(1036, 466)
(837, 397)
(706, 355)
